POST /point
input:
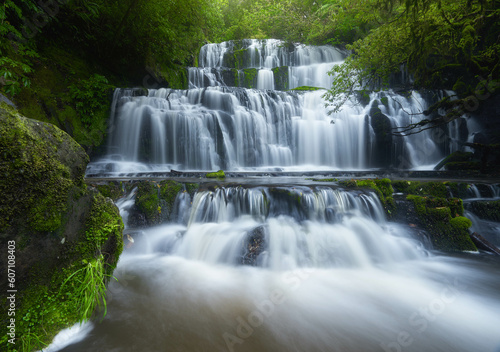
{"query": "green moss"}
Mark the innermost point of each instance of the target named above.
(306, 88)
(29, 152)
(219, 174)
(103, 231)
(147, 201)
(382, 187)
(322, 179)
(191, 188)
(461, 223)
(458, 190)
(281, 79)
(168, 191)
(239, 58)
(434, 188)
(455, 157)
(111, 189)
(175, 76)
(250, 77)
(443, 221)
(385, 186)
(385, 101)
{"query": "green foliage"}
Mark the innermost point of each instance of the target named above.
(288, 20)
(14, 75)
(89, 284)
(90, 97)
(441, 43)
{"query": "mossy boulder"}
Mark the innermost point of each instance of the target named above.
(110, 189)
(55, 222)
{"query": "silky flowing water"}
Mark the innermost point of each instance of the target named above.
(285, 267)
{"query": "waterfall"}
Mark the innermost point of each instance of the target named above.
(239, 114)
(294, 227)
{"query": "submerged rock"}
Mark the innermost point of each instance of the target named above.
(53, 224)
(254, 245)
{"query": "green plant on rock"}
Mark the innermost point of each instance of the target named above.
(168, 191)
(90, 97)
(89, 284)
(219, 174)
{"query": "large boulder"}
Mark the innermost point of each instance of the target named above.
(54, 229)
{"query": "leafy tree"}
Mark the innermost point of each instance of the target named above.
(444, 44)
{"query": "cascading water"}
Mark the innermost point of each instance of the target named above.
(292, 268)
(218, 124)
(280, 267)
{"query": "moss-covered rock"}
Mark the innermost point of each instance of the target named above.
(218, 174)
(489, 210)
(443, 220)
(433, 188)
(56, 224)
(306, 88)
(427, 204)
(111, 189)
(168, 193)
(148, 202)
(281, 79)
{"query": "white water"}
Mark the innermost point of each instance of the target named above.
(242, 129)
(214, 126)
(333, 276)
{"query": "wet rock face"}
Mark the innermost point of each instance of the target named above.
(381, 125)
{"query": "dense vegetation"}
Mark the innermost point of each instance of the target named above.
(59, 59)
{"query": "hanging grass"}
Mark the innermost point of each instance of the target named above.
(90, 287)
